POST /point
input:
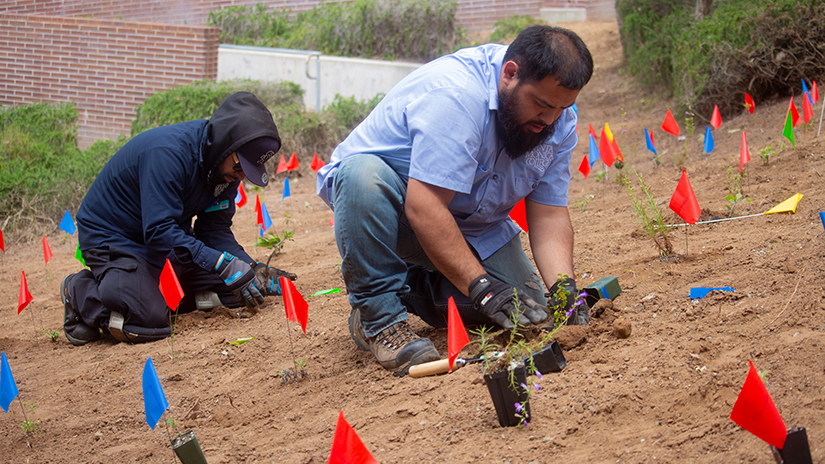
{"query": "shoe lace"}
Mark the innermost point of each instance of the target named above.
(396, 336)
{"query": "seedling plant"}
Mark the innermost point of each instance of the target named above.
(734, 187)
(650, 215)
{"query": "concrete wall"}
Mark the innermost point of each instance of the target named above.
(350, 77)
(105, 67)
(472, 15)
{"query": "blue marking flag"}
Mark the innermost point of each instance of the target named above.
(649, 142)
(154, 401)
(822, 218)
(806, 93)
(701, 292)
(8, 388)
(267, 220)
(709, 145)
(286, 189)
(67, 224)
(594, 151)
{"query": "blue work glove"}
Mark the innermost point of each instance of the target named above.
(497, 300)
(269, 276)
(240, 277)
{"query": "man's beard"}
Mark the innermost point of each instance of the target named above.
(516, 138)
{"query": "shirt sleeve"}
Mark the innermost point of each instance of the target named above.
(446, 130)
(162, 176)
(553, 187)
(214, 228)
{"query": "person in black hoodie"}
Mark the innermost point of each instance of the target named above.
(139, 212)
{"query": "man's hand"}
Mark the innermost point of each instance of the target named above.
(269, 276)
(497, 300)
(562, 297)
(241, 279)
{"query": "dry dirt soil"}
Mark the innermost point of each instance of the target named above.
(662, 395)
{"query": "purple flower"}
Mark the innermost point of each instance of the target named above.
(519, 407)
(538, 387)
(538, 375)
(524, 386)
(570, 311)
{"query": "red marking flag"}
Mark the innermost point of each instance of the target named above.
(519, 214)
(2, 245)
(295, 305)
(794, 113)
(47, 250)
(593, 133)
(744, 155)
(807, 109)
(240, 199)
(716, 118)
(25, 296)
(749, 104)
(258, 210)
(755, 411)
(584, 168)
(456, 333)
(293, 163)
(347, 447)
(170, 286)
(281, 165)
(606, 150)
(683, 202)
(815, 92)
(316, 163)
(669, 125)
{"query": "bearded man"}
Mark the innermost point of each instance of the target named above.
(422, 189)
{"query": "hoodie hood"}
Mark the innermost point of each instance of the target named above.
(240, 118)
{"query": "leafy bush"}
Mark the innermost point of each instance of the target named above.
(763, 47)
(200, 99)
(506, 29)
(397, 29)
(42, 172)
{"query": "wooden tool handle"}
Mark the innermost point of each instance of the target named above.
(441, 366)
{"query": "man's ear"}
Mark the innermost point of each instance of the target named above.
(509, 73)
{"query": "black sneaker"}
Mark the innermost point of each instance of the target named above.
(76, 331)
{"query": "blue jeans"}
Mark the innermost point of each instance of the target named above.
(386, 271)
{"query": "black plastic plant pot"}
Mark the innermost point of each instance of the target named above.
(504, 397)
(548, 359)
(187, 448)
(795, 450)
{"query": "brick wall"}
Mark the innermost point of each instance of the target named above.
(105, 67)
(473, 15)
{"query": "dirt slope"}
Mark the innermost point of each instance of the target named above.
(662, 395)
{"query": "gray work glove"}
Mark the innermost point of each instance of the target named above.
(496, 299)
(562, 297)
(240, 277)
(269, 276)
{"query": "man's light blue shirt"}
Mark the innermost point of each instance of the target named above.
(438, 126)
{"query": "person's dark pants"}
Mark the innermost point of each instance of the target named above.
(120, 281)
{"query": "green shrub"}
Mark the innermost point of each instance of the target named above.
(506, 29)
(417, 30)
(200, 99)
(762, 47)
(42, 172)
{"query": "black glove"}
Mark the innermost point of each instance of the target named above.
(240, 277)
(562, 297)
(269, 276)
(497, 300)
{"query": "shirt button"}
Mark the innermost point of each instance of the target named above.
(495, 176)
(535, 185)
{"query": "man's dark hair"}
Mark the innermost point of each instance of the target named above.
(542, 51)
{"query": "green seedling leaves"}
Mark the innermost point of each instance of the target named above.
(241, 341)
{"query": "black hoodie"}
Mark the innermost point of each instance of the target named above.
(146, 196)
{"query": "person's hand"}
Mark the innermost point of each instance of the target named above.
(496, 299)
(240, 277)
(562, 298)
(269, 276)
